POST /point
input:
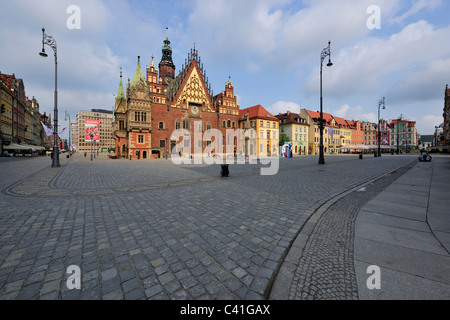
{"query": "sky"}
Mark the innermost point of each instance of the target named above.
(271, 49)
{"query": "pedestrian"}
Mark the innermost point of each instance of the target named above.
(85, 153)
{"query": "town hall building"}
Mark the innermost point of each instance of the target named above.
(153, 107)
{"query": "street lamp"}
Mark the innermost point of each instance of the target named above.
(381, 103)
(52, 43)
(92, 139)
(70, 131)
(325, 53)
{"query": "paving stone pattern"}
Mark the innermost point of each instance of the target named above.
(153, 230)
(326, 267)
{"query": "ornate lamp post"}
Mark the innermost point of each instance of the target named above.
(381, 103)
(52, 43)
(325, 53)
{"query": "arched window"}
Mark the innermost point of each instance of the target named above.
(233, 124)
(178, 124)
(223, 124)
(208, 126)
(229, 123)
(161, 125)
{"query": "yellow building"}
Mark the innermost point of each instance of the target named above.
(296, 128)
(266, 128)
(341, 134)
(313, 120)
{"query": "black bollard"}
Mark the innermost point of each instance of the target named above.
(225, 170)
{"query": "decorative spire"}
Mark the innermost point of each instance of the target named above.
(138, 75)
(152, 64)
(120, 93)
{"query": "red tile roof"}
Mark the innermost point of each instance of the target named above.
(256, 112)
(315, 115)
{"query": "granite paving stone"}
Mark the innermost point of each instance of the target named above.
(137, 234)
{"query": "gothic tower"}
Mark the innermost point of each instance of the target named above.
(166, 66)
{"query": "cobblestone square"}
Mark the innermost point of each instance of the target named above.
(154, 230)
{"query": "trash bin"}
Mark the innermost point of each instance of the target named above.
(360, 156)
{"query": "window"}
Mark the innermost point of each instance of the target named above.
(233, 125)
(223, 124)
(229, 123)
(185, 124)
(121, 125)
(274, 135)
(162, 143)
(208, 126)
(161, 125)
(144, 116)
(140, 138)
(200, 143)
(261, 134)
(268, 124)
(137, 116)
(261, 124)
(274, 125)
(177, 124)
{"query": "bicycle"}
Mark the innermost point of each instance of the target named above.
(425, 158)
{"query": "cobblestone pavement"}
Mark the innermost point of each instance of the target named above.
(153, 230)
(326, 267)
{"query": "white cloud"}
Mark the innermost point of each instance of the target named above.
(426, 124)
(283, 107)
(354, 113)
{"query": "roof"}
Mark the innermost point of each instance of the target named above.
(341, 122)
(138, 75)
(316, 115)
(290, 118)
(427, 138)
(256, 112)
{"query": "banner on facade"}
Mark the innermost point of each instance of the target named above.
(92, 132)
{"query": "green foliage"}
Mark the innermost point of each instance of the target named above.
(284, 138)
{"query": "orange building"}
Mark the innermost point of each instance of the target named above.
(357, 132)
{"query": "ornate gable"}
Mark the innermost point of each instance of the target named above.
(140, 92)
(193, 90)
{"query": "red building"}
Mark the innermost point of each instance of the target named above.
(153, 107)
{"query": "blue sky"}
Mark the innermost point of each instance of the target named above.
(270, 48)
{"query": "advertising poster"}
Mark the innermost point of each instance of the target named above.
(92, 132)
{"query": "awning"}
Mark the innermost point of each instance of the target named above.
(355, 147)
(14, 146)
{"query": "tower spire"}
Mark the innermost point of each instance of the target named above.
(120, 92)
(166, 66)
(138, 75)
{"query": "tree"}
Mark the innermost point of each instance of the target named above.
(284, 138)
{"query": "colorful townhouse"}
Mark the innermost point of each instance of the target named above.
(296, 128)
(266, 128)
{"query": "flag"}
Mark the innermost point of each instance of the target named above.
(331, 132)
(48, 131)
(61, 132)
